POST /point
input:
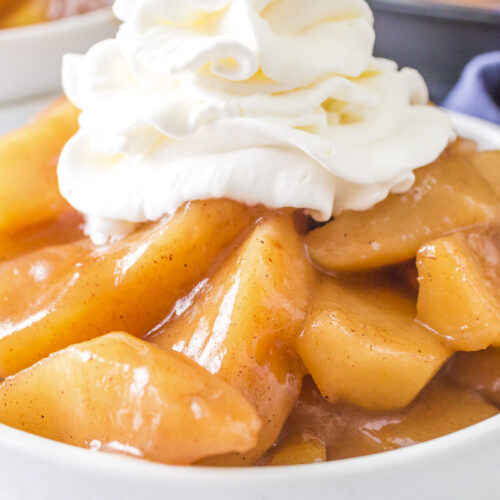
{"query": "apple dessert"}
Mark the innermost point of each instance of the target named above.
(15, 13)
(218, 251)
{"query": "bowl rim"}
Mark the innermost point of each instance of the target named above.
(441, 11)
(115, 466)
(58, 26)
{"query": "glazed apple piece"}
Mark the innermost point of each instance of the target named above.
(59, 296)
(29, 192)
(459, 295)
(447, 195)
(441, 409)
(243, 321)
(361, 344)
(478, 371)
(488, 165)
(120, 394)
(66, 228)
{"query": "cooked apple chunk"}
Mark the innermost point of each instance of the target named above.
(478, 371)
(119, 394)
(29, 192)
(440, 409)
(66, 228)
(447, 195)
(459, 294)
(361, 344)
(63, 295)
(243, 321)
(488, 165)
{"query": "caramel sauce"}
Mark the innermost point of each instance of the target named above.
(346, 431)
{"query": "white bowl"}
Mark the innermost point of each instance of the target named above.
(30, 56)
(462, 465)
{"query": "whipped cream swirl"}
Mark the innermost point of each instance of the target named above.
(278, 102)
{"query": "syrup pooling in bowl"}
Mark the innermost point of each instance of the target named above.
(305, 361)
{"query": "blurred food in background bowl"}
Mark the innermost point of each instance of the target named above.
(30, 56)
(15, 13)
(437, 37)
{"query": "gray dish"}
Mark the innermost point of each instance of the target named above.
(438, 40)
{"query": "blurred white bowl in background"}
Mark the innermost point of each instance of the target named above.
(30, 56)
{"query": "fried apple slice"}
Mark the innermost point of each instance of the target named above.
(66, 228)
(24, 13)
(361, 344)
(488, 165)
(29, 192)
(478, 371)
(63, 295)
(459, 294)
(241, 324)
(448, 195)
(120, 394)
(441, 409)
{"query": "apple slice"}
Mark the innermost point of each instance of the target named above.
(65, 228)
(447, 195)
(459, 294)
(63, 295)
(243, 321)
(488, 165)
(29, 191)
(120, 394)
(361, 344)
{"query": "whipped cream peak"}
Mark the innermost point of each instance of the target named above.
(278, 102)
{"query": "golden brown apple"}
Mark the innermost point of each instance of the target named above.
(361, 344)
(448, 195)
(241, 324)
(459, 294)
(62, 295)
(488, 165)
(29, 192)
(119, 394)
(65, 228)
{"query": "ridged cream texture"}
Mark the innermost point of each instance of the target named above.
(278, 102)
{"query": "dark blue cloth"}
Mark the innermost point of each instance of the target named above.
(477, 92)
